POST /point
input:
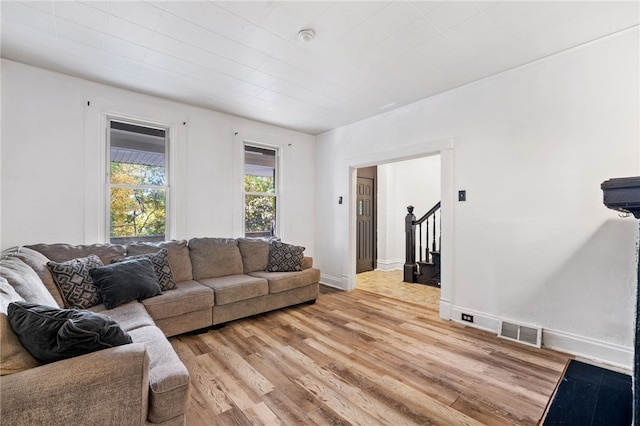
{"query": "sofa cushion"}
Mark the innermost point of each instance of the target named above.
(214, 257)
(13, 356)
(178, 256)
(168, 377)
(189, 296)
(76, 285)
(284, 257)
(52, 334)
(161, 266)
(129, 316)
(125, 281)
(7, 295)
(233, 288)
(38, 262)
(307, 262)
(282, 281)
(64, 252)
(255, 254)
(25, 281)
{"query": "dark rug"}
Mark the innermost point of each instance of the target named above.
(591, 396)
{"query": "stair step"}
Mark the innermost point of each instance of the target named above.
(432, 280)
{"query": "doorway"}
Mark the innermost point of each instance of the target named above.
(398, 184)
(366, 242)
(444, 147)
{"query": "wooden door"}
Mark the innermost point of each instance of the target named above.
(366, 223)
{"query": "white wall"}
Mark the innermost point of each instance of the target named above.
(1, 97)
(53, 162)
(533, 242)
(413, 182)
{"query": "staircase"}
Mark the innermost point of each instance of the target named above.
(425, 268)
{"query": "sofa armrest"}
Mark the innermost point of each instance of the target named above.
(307, 262)
(110, 386)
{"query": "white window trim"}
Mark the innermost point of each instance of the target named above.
(170, 130)
(279, 168)
(98, 106)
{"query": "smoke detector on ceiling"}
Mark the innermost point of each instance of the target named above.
(306, 35)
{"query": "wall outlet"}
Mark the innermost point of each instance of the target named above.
(467, 317)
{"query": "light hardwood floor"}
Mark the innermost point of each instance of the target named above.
(389, 283)
(363, 358)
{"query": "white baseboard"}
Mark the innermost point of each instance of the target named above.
(332, 281)
(445, 309)
(615, 356)
(389, 265)
(481, 320)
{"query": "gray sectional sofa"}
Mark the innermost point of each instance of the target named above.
(216, 280)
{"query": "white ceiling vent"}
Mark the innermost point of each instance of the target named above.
(523, 333)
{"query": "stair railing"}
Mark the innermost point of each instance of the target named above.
(430, 241)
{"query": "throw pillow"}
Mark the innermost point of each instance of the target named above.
(125, 281)
(75, 284)
(52, 334)
(161, 266)
(285, 257)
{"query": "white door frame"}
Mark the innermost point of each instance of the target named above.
(444, 147)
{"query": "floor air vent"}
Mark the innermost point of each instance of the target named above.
(527, 334)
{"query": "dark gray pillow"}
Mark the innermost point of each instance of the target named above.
(285, 257)
(125, 281)
(51, 334)
(160, 262)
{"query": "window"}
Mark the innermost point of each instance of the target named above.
(137, 182)
(260, 191)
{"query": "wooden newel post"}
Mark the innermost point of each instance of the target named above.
(410, 266)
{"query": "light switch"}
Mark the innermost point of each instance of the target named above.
(462, 195)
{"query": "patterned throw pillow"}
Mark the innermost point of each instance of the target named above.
(285, 257)
(161, 266)
(75, 284)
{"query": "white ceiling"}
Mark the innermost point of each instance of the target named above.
(244, 58)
